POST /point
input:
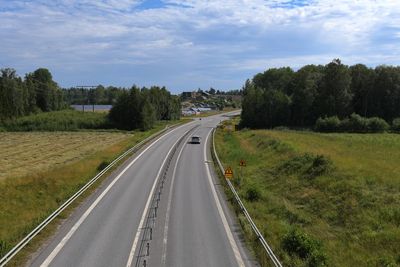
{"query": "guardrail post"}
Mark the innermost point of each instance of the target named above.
(151, 233)
(144, 263)
(148, 249)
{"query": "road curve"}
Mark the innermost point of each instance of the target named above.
(193, 226)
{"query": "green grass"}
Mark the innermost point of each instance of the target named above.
(26, 200)
(335, 196)
(64, 120)
(22, 153)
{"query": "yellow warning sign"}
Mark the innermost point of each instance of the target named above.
(242, 163)
(228, 173)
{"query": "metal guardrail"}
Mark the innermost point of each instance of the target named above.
(260, 237)
(51, 217)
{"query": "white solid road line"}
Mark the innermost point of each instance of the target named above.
(133, 249)
(165, 240)
(228, 231)
(62, 243)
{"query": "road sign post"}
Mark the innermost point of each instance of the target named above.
(242, 164)
(228, 173)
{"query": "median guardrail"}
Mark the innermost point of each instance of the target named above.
(51, 217)
(260, 237)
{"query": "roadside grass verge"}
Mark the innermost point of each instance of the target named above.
(26, 201)
(319, 199)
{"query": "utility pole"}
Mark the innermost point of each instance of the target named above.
(83, 87)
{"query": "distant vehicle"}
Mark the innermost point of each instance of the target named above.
(195, 139)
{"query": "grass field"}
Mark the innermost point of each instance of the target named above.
(39, 171)
(23, 153)
(320, 199)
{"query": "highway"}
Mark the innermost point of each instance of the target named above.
(162, 207)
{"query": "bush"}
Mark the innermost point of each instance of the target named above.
(377, 125)
(320, 165)
(300, 244)
(102, 165)
(396, 125)
(296, 163)
(327, 124)
(253, 193)
(4, 248)
(354, 124)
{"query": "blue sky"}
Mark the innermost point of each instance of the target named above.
(187, 44)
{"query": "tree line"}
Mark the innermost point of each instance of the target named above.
(134, 108)
(36, 92)
(283, 97)
(140, 108)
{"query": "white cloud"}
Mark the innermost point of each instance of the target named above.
(197, 37)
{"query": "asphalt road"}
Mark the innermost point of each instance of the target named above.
(192, 225)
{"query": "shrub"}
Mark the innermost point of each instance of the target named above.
(377, 125)
(354, 124)
(396, 125)
(4, 248)
(385, 262)
(320, 165)
(102, 165)
(300, 244)
(296, 163)
(253, 193)
(327, 124)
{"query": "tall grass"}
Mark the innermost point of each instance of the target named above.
(321, 199)
(64, 120)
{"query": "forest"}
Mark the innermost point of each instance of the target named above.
(284, 97)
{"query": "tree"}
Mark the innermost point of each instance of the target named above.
(148, 115)
(304, 91)
(275, 78)
(275, 108)
(362, 82)
(11, 95)
(386, 93)
(334, 96)
(126, 112)
(48, 95)
(252, 106)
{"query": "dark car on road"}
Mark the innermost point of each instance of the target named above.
(195, 139)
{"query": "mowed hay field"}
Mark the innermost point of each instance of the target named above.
(23, 153)
(320, 199)
(39, 171)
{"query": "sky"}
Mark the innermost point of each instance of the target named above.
(190, 44)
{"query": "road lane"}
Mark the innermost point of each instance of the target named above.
(195, 232)
(105, 237)
(197, 228)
